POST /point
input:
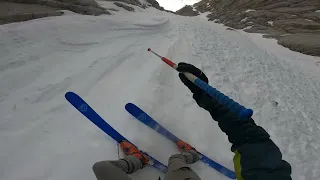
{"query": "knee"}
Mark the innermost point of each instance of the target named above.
(176, 156)
(98, 166)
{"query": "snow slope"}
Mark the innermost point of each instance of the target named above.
(104, 59)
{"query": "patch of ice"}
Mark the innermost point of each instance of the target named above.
(244, 19)
(284, 35)
(215, 20)
(250, 10)
(109, 5)
(270, 22)
(143, 2)
(194, 8)
(317, 11)
(248, 27)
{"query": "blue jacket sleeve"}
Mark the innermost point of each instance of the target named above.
(261, 159)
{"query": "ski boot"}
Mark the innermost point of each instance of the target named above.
(183, 146)
(130, 149)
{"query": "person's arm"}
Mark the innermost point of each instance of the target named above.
(259, 157)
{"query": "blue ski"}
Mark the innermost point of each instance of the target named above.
(87, 111)
(149, 121)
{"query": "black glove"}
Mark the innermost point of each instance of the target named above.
(202, 98)
(239, 131)
(184, 67)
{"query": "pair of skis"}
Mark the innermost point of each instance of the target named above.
(139, 114)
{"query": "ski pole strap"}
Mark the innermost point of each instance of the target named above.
(233, 106)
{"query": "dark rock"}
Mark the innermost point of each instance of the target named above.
(236, 25)
(315, 16)
(296, 24)
(27, 16)
(17, 12)
(81, 2)
(128, 8)
(275, 103)
(111, 9)
(144, 6)
(155, 4)
(277, 5)
(202, 6)
(304, 43)
(152, 3)
(295, 9)
(230, 29)
(132, 2)
(87, 7)
(272, 18)
(187, 11)
(10, 8)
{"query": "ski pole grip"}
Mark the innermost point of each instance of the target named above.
(233, 106)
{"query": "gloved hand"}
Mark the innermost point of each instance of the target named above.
(238, 131)
(202, 98)
(197, 92)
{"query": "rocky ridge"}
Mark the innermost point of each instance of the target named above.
(294, 23)
(23, 10)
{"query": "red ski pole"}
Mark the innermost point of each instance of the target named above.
(233, 106)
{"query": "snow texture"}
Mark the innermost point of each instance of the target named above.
(194, 8)
(244, 19)
(111, 5)
(270, 22)
(248, 27)
(250, 10)
(105, 60)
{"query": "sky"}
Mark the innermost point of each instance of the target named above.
(175, 5)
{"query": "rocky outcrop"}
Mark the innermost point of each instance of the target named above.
(274, 18)
(307, 43)
(187, 11)
(44, 8)
(88, 7)
(81, 2)
(128, 8)
(149, 3)
(27, 16)
(132, 2)
(16, 12)
(156, 5)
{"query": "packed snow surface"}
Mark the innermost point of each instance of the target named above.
(105, 60)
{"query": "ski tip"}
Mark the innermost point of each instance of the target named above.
(133, 109)
(68, 94)
(128, 105)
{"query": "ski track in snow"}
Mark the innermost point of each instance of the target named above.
(104, 59)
